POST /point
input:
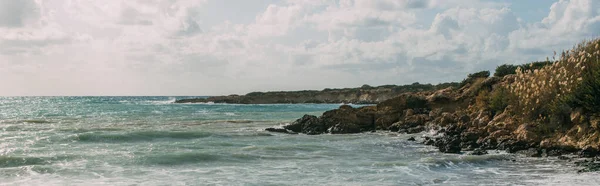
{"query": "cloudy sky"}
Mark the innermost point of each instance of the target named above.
(213, 47)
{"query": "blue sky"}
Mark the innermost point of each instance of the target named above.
(213, 47)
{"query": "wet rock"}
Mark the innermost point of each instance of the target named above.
(531, 152)
(279, 130)
(478, 152)
(513, 146)
(411, 139)
(396, 126)
(588, 152)
(416, 129)
(448, 144)
(563, 158)
(429, 142)
(588, 166)
(344, 128)
(469, 140)
(308, 124)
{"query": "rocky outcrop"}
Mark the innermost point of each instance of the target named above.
(362, 95)
(460, 124)
(343, 120)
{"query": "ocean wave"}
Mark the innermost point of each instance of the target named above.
(468, 159)
(138, 136)
(18, 161)
(34, 121)
(179, 158)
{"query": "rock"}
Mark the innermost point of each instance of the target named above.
(416, 129)
(588, 166)
(429, 142)
(513, 146)
(344, 128)
(408, 112)
(279, 130)
(531, 152)
(446, 119)
(478, 152)
(441, 96)
(347, 120)
(448, 144)
(588, 152)
(563, 158)
(469, 140)
(411, 139)
(396, 126)
(488, 143)
(308, 124)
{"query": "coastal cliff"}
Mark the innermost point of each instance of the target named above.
(547, 108)
(362, 95)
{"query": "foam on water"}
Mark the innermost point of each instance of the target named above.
(150, 141)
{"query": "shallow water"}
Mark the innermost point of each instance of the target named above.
(150, 141)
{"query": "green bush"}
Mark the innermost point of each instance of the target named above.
(508, 69)
(505, 69)
(587, 95)
(499, 100)
(482, 74)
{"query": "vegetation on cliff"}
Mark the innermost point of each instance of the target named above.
(362, 95)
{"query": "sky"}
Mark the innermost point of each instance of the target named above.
(220, 47)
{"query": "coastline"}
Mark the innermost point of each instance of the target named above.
(539, 109)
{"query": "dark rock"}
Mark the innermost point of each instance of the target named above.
(513, 146)
(489, 143)
(429, 142)
(308, 124)
(396, 126)
(531, 152)
(279, 130)
(478, 152)
(411, 139)
(415, 130)
(448, 144)
(588, 152)
(588, 166)
(344, 128)
(469, 140)
(563, 158)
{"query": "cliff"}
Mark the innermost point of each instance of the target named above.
(362, 95)
(549, 110)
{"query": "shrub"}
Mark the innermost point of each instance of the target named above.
(542, 92)
(587, 95)
(505, 69)
(482, 74)
(482, 99)
(499, 100)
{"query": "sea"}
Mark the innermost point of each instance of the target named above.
(154, 141)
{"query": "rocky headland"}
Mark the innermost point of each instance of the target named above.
(549, 108)
(362, 95)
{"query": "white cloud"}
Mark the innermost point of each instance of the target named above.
(161, 47)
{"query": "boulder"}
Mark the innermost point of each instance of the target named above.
(588, 152)
(478, 152)
(308, 124)
(279, 130)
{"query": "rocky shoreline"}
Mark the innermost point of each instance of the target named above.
(362, 95)
(458, 125)
(553, 110)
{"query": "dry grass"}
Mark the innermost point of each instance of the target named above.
(538, 91)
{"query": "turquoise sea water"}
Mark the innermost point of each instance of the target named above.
(152, 141)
